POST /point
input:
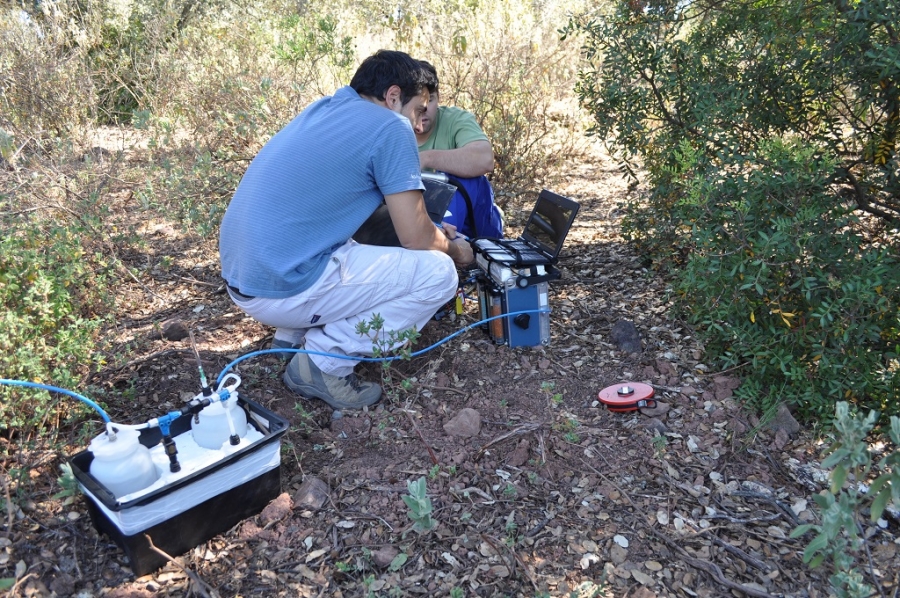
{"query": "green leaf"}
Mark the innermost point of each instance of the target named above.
(838, 477)
(879, 503)
(815, 562)
(398, 562)
(818, 544)
(7, 582)
(802, 529)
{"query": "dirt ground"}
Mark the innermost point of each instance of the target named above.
(546, 493)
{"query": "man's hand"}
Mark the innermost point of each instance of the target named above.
(471, 160)
(462, 253)
(415, 230)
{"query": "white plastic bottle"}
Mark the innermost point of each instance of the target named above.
(122, 465)
(211, 428)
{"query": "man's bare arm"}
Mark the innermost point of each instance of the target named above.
(471, 160)
(416, 230)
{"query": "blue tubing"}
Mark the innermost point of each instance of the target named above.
(375, 359)
(81, 398)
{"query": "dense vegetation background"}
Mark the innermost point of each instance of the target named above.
(761, 136)
(765, 133)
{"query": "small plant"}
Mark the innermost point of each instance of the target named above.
(306, 421)
(67, 482)
(556, 398)
(383, 344)
(457, 592)
(659, 445)
(419, 504)
(434, 472)
(838, 537)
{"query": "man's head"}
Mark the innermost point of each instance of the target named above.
(396, 80)
(427, 120)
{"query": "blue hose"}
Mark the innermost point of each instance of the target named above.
(81, 398)
(221, 376)
(376, 359)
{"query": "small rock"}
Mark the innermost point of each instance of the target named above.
(783, 420)
(654, 424)
(384, 556)
(519, 456)
(724, 386)
(659, 410)
(312, 494)
(276, 510)
(171, 330)
(617, 554)
(63, 585)
(625, 336)
(466, 424)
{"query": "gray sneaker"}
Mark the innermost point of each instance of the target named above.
(341, 392)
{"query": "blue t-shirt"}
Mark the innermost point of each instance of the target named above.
(310, 188)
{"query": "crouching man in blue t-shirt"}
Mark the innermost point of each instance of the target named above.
(285, 246)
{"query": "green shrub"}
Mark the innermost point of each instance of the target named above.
(52, 301)
(838, 537)
(779, 278)
(771, 196)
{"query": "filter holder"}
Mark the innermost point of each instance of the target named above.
(627, 396)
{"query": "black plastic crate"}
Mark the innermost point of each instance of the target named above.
(254, 469)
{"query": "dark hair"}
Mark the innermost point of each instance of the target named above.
(431, 78)
(385, 68)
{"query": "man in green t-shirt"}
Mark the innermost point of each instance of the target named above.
(451, 141)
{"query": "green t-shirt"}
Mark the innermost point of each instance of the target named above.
(454, 128)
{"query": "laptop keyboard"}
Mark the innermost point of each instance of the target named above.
(523, 251)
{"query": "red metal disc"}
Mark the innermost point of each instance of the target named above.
(627, 396)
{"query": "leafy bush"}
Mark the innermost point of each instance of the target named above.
(838, 537)
(767, 182)
(52, 295)
(45, 89)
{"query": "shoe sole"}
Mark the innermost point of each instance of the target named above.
(310, 392)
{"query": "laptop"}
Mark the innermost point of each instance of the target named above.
(541, 240)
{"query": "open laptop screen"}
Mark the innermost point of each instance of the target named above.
(549, 222)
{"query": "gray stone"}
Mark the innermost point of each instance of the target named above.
(659, 410)
(657, 425)
(625, 336)
(384, 556)
(312, 494)
(783, 420)
(466, 424)
(174, 330)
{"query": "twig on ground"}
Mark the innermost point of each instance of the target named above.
(445, 388)
(523, 429)
(749, 559)
(214, 285)
(537, 528)
(711, 568)
(516, 560)
(474, 490)
(434, 459)
(204, 588)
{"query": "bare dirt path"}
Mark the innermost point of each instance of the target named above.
(551, 495)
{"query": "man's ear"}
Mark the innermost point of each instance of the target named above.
(392, 97)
